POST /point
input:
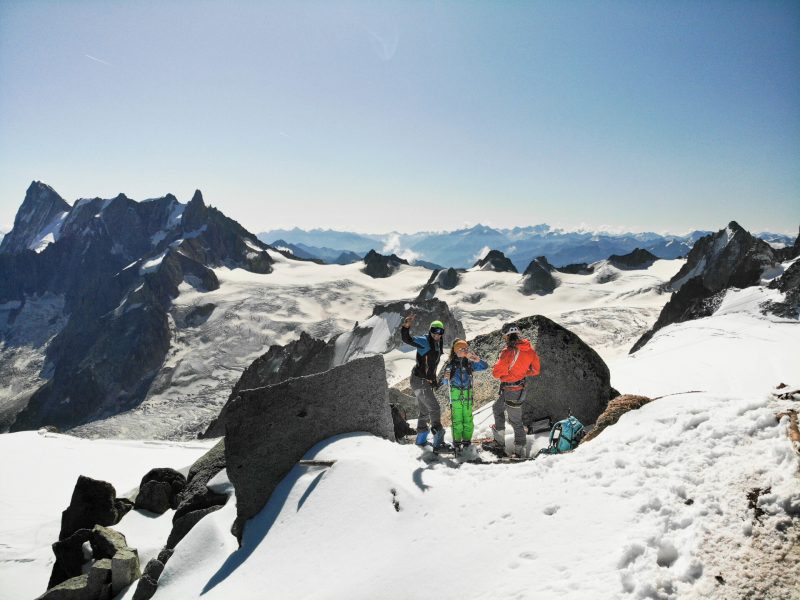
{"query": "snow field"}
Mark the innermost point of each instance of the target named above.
(39, 471)
(255, 311)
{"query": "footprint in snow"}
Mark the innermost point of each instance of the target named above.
(551, 510)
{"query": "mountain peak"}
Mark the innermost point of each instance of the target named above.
(35, 218)
(495, 261)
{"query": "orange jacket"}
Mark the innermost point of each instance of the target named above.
(516, 363)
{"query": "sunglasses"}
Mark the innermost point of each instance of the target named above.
(462, 350)
(437, 330)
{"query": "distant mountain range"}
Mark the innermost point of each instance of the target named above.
(461, 248)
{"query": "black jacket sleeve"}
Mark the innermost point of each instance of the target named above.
(405, 333)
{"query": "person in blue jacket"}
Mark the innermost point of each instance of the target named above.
(423, 379)
(458, 375)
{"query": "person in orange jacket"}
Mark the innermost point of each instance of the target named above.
(517, 361)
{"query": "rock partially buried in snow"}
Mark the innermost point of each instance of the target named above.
(159, 490)
(269, 429)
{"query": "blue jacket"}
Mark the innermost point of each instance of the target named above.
(461, 376)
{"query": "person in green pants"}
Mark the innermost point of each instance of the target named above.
(458, 374)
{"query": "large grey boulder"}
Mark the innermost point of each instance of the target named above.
(573, 380)
(269, 429)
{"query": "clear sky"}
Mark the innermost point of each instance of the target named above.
(376, 116)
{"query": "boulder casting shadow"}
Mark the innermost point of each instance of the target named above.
(269, 429)
(258, 527)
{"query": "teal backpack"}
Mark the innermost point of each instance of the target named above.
(565, 436)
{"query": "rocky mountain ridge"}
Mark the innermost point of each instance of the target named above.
(729, 258)
(114, 266)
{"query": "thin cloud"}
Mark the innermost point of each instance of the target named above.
(95, 59)
(385, 46)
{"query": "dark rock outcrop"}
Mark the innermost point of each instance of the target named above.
(114, 566)
(69, 557)
(789, 284)
(146, 588)
(573, 380)
(183, 524)
(635, 260)
(496, 261)
(379, 266)
(196, 495)
(576, 269)
(445, 279)
(729, 258)
(159, 490)
(538, 278)
(269, 429)
(93, 503)
(692, 301)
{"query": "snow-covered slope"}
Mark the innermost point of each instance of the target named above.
(254, 311)
(695, 495)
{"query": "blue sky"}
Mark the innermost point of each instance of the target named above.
(375, 116)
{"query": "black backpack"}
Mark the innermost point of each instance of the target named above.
(401, 426)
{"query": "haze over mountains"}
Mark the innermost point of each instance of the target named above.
(112, 306)
(461, 248)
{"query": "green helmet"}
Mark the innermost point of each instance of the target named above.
(437, 325)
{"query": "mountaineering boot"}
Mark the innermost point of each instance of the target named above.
(520, 451)
(438, 441)
(422, 438)
(457, 448)
(499, 436)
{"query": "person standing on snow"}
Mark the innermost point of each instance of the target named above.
(517, 361)
(423, 379)
(458, 374)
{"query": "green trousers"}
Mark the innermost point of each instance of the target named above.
(461, 412)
